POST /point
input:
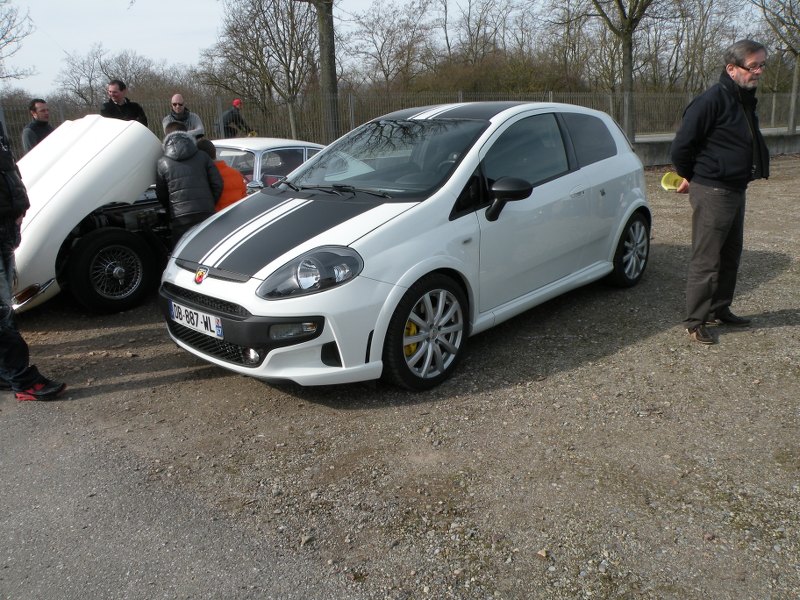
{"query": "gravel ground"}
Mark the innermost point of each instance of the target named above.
(586, 449)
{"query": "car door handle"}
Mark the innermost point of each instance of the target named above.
(577, 193)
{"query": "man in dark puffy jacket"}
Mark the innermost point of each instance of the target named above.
(188, 183)
(16, 373)
(720, 150)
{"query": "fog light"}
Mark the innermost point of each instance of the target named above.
(286, 331)
(251, 356)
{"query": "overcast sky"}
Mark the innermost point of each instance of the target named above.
(170, 30)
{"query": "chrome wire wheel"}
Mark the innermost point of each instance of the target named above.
(111, 269)
(116, 272)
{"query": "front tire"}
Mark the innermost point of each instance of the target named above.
(111, 270)
(633, 252)
(427, 334)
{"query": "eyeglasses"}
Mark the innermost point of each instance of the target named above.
(755, 68)
(177, 104)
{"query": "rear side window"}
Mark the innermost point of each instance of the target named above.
(591, 138)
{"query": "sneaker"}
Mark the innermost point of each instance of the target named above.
(700, 334)
(726, 317)
(43, 389)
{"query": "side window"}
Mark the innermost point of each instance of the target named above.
(591, 138)
(277, 163)
(530, 149)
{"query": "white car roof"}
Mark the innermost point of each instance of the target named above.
(259, 144)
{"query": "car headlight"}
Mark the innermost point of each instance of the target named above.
(314, 271)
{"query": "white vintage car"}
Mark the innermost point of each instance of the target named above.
(95, 226)
(383, 253)
(89, 228)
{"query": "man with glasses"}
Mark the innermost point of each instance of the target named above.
(719, 149)
(181, 114)
(39, 127)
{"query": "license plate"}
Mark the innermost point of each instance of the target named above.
(194, 319)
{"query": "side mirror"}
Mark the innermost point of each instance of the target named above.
(506, 189)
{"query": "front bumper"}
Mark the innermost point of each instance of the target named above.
(338, 351)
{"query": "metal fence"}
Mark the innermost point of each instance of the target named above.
(655, 113)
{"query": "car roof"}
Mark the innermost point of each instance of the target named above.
(484, 111)
(258, 144)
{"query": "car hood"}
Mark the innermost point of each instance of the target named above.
(80, 167)
(257, 235)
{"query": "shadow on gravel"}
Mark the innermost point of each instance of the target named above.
(565, 333)
(559, 336)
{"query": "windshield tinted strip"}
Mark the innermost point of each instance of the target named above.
(288, 231)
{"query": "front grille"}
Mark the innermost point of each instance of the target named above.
(219, 306)
(208, 345)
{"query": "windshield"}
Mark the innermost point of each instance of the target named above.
(400, 159)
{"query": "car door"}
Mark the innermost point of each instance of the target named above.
(597, 158)
(535, 241)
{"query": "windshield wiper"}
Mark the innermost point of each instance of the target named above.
(352, 190)
(322, 188)
(285, 182)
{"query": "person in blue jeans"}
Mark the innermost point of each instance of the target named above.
(16, 372)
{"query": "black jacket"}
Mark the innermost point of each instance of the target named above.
(13, 195)
(719, 143)
(127, 111)
(187, 181)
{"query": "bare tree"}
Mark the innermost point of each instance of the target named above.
(83, 79)
(622, 18)
(14, 28)
(783, 16)
(265, 53)
(480, 28)
(389, 42)
(567, 37)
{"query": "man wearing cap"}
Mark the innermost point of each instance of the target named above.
(233, 124)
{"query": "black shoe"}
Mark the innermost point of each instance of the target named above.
(700, 334)
(726, 317)
(44, 389)
(4, 385)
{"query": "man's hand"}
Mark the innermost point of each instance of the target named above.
(683, 188)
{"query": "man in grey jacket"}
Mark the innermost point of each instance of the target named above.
(181, 114)
(188, 182)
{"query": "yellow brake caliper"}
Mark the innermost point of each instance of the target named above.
(411, 329)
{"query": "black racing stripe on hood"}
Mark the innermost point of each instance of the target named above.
(228, 223)
(289, 231)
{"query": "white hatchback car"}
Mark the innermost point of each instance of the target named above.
(381, 255)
